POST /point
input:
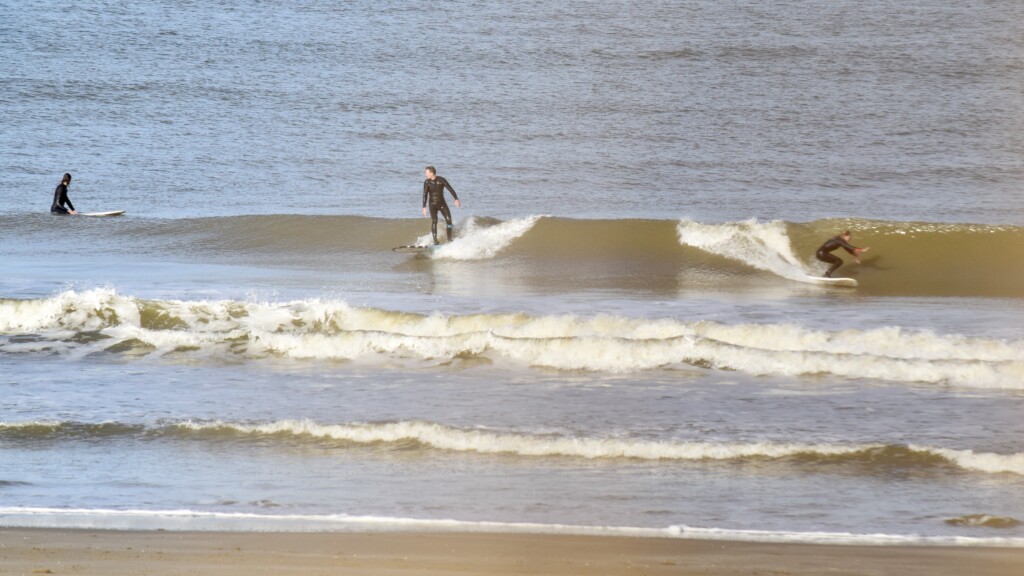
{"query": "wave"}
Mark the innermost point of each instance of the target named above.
(102, 321)
(412, 435)
(477, 241)
(906, 258)
(764, 246)
(203, 520)
(984, 521)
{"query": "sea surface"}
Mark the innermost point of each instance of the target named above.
(622, 339)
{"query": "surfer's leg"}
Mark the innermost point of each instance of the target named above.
(832, 259)
(433, 221)
(58, 210)
(839, 262)
(447, 219)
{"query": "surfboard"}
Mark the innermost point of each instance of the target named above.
(111, 213)
(413, 249)
(831, 281)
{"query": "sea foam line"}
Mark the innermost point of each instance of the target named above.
(331, 329)
(102, 309)
(196, 520)
(444, 437)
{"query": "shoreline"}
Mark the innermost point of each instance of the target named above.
(89, 552)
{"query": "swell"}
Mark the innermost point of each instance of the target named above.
(420, 435)
(101, 321)
(906, 258)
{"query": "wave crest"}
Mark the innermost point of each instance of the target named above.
(415, 434)
(80, 323)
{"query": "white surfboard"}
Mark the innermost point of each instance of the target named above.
(831, 281)
(111, 213)
(413, 249)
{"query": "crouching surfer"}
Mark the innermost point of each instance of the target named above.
(842, 241)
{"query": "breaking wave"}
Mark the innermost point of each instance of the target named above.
(102, 321)
(906, 258)
(412, 435)
(764, 246)
(983, 521)
(479, 242)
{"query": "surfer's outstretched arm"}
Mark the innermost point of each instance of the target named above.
(853, 250)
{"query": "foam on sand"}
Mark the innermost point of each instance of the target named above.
(199, 520)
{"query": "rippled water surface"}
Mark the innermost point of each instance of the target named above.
(623, 333)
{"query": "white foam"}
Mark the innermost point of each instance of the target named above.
(762, 245)
(331, 329)
(477, 242)
(443, 437)
(980, 461)
(197, 520)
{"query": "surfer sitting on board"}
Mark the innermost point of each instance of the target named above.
(60, 198)
(433, 192)
(842, 241)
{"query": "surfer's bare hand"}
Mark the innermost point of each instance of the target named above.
(424, 210)
(458, 204)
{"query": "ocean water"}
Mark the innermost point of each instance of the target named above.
(622, 338)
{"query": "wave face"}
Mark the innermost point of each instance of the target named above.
(419, 435)
(103, 321)
(906, 258)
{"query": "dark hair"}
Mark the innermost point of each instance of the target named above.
(846, 233)
(431, 169)
(66, 179)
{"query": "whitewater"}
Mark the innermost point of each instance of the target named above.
(101, 320)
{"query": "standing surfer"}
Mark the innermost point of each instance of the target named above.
(842, 241)
(433, 195)
(60, 198)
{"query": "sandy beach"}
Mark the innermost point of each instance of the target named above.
(158, 553)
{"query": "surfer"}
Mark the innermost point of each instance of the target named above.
(842, 241)
(60, 198)
(433, 193)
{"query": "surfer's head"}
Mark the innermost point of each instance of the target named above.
(430, 171)
(846, 235)
(66, 179)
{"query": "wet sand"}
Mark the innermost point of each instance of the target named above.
(158, 553)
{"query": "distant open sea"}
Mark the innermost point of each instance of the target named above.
(621, 340)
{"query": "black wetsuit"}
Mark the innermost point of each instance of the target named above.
(433, 193)
(60, 198)
(825, 253)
